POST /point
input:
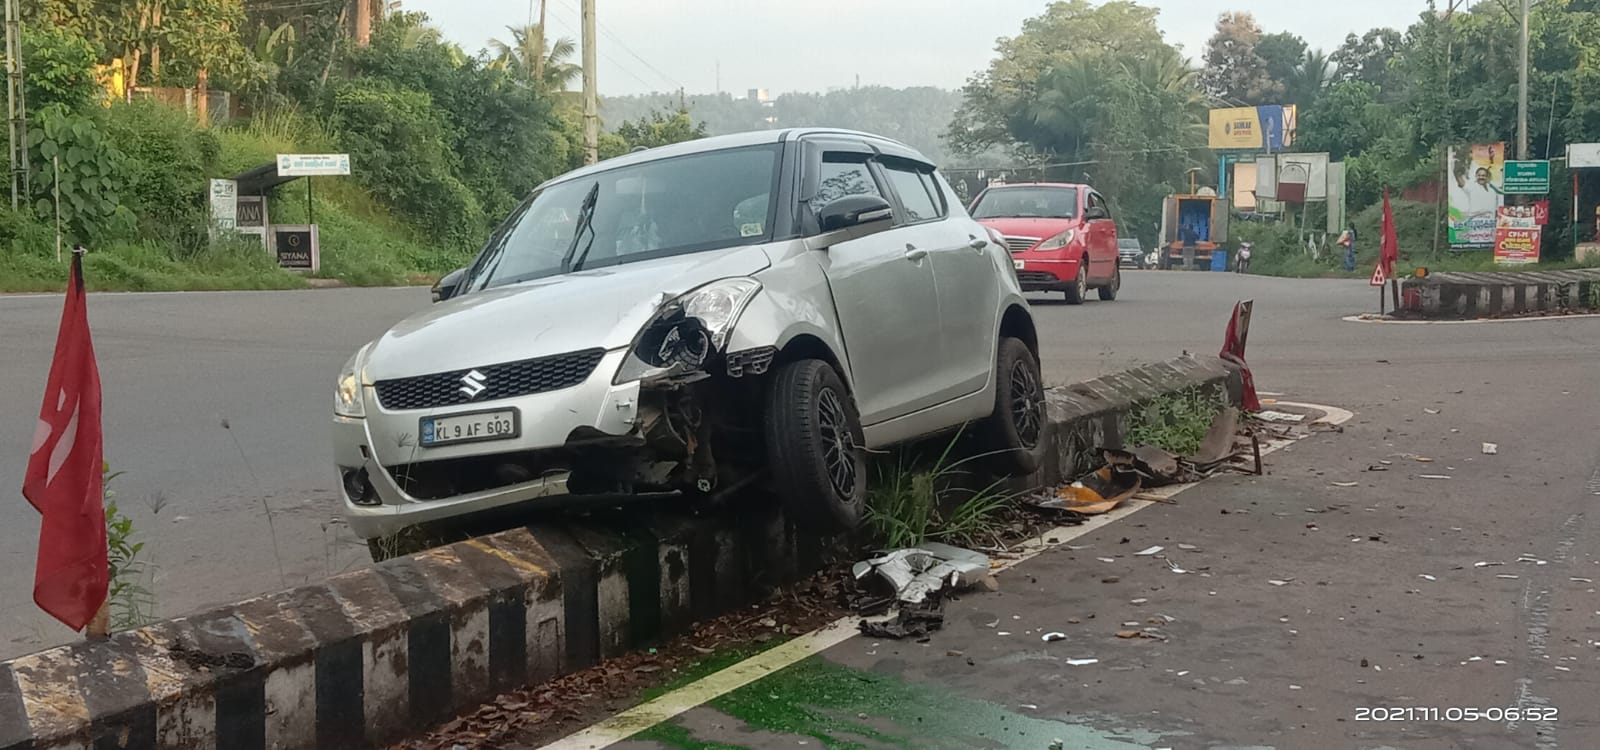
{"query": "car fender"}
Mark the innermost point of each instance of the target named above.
(795, 302)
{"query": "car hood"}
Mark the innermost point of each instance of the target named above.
(1041, 228)
(603, 307)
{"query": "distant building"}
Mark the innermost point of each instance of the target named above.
(760, 95)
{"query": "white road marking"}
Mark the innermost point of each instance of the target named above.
(667, 707)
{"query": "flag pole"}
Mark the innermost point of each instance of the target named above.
(99, 628)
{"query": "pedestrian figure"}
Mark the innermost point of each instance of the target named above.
(1348, 239)
(1190, 237)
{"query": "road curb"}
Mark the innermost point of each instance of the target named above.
(372, 655)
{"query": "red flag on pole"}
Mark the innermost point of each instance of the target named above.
(1389, 250)
(64, 481)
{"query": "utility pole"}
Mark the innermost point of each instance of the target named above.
(1449, 127)
(16, 106)
(1522, 88)
(591, 96)
(539, 49)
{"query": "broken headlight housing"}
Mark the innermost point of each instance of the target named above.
(688, 332)
(347, 392)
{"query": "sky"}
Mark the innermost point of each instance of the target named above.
(782, 45)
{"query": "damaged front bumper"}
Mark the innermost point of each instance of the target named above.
(389, 480)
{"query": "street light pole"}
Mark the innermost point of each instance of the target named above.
(1522, 88)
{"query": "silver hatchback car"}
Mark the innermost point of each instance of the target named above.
(742, 311)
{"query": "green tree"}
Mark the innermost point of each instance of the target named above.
(204, 37)
(1068, 29)
(1235, 72)
(661, 129)
(60, 68)
(1283, 53)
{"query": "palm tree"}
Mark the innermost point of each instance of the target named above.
(1310, 78)
(522, 58)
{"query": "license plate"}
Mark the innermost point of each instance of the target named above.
(500, 424)
(1020, 264)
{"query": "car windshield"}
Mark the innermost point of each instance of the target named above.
(693, 203)
(1027, 203)
(1129, 244)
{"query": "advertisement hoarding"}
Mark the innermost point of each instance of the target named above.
(1270, 127)
(1517, 235)
(1477, 191)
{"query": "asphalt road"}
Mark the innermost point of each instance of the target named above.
(177, 366)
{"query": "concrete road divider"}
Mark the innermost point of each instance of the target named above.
(1455, 296)
(373, 655)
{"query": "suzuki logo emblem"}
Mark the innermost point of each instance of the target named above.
(473, 383)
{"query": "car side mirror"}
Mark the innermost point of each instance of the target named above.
(1095, 213)
(855, 211)
(447, 286)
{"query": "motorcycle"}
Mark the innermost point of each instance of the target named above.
(1153, 260)
(1243, 264)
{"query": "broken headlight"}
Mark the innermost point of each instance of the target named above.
(689, 331)
(347, 392)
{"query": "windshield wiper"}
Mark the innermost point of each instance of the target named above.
(585, 224)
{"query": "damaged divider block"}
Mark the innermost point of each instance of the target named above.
(372, 655)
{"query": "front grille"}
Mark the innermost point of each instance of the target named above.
(1036, 277)
(1019, 244)
(507, 380)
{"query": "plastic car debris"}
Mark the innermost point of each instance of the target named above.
(913, 573)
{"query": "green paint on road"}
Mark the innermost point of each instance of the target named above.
(827, 702)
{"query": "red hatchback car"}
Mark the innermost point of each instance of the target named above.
(1061, 236)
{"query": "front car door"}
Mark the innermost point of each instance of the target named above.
(1102, 244)
(883, 289)
(963, 270)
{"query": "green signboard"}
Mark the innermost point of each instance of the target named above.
(1527, 177)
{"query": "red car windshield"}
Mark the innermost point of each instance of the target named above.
(1027, 203)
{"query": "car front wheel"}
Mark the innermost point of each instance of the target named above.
(1080, 286)
(1014, 435)
(815, 447)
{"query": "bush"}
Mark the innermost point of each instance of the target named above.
(170, 159)
(60, 69)
(93, 176)
(403, 148)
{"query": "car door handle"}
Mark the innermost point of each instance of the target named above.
(914, 253)
(978, 244)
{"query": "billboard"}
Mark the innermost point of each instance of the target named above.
(1517, 235)
(1583, 155)
(1477, 191)
(1244, 186)
(1269, 127)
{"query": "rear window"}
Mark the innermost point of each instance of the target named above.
(1027, 203)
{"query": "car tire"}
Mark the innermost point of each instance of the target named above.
(815, 447)
(1108, 292)
(1080, 287)
(1014, 437)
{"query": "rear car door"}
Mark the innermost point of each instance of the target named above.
(883, 290)
(963, 271)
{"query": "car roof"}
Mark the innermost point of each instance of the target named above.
(1040, 184)
(734, 140)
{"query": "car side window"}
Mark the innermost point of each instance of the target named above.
(842, 175)
(1095, 201)
(920, 205)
